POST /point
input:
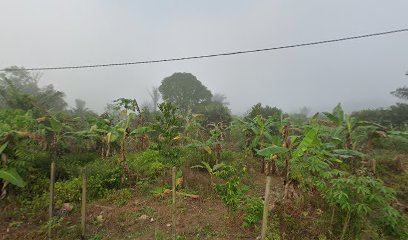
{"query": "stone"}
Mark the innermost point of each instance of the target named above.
(99, 218)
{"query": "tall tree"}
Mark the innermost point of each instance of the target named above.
(184, 90)
(155, 96)
(220, 98)
(19, 89)
(401, 93)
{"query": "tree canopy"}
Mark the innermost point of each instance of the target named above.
(401, 93)
(19, 89)
(184, 90)
(265, 112)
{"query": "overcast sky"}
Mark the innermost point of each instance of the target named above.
(359, 73)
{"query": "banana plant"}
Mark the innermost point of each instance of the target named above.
(168, 128)
(101, 129)
(193, 126)
(258, 134)
(296, 150)
(141, 133)
(9, 175)
(217, 135)
(351, 132)
(211, 170)
(213, 145)
(128, 108)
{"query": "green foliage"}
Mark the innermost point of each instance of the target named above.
(70, 190)
(271, 150)
(184, 90)
(210, 170)
(253, 211)
(214, 112)
(394, 116)
(368, 200)
(395, 143)
(146, 164)
(258, 131)
(120, 197)
(126, 104)
(19, 89)
(107, 171)
(265, 112)
(56, 223)
(231, 191)
(401, 92)
(325, 159)
(168, 126)
(11, 176)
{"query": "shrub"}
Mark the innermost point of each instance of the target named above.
(108, 171)
(231, 191)
(68, 191)
(120, 197)
(397, 143)
(71, 190)
(146, 164)
(227, 156)
(191, 156)
(253, 211)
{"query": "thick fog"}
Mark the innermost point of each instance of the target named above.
(358, 73)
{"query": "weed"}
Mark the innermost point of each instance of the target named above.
(97, 236)
(146, 211)
(253, 211)
(204, 232)
(120, 197)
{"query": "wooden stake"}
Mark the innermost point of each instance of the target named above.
(265, 209)
(174, 202)
(374, 166)
(83, 203)
(52, 189)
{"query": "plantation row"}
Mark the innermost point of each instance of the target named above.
(322, 164)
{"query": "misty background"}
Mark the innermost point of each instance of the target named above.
(358, 73)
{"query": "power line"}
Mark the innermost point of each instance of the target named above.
(213, 55)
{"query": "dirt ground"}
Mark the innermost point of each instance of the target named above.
(150, 217)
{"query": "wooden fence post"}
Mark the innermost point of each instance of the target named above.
(174, 202)
(52, 194)
(265, 209)
(83, 202)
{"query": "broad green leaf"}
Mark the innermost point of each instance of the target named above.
(56, 125)
(114, 136)
(207, 166)
(348, 152)
(10, 175)
(338, 113)
(141, 131)
(3, 147)
(207, 149)
(158, 190)
(269, 151)
(336, 140)
(331, 117)
(348, 122)
(218, 166)
(309, 139)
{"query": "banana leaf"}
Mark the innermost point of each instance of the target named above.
(10, 175)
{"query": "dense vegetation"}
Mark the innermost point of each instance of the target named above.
(336, 176)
